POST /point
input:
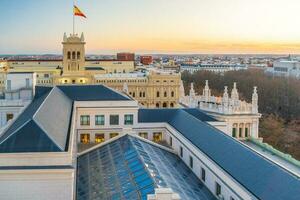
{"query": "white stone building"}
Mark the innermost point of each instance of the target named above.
(91, 142)
(241, 118)
(285, 68)
(17, 94)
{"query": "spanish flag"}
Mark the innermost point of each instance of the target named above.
(77, 12)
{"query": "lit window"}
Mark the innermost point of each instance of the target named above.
(203, 175)
(111, 135)
(143, 135)
(99, 138)
(85, 138)
(181, 152)
(128, 119)
(9, 116)
(99, 120)
(114, 119)
(157, 137)
(191, 162)
(84, 120)
(218, 189)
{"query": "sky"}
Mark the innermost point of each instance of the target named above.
(153, 26)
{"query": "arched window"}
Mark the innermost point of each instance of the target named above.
(133, 94)
(73, 55)
(141, 94)
(172, 105)
(165, 105)
(78, 55)
(157, 105)
(165, 94)
(144, 94)
(157, 94)
(69, 55)
(172, 94)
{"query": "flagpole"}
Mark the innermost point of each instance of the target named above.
(73, 17)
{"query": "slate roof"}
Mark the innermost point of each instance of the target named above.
(130, 168)
(44, 125)
(263, 178)
(92, 93)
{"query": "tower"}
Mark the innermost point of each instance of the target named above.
(73, 53)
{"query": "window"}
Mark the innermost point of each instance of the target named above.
(234, 132)
(172, 94)
(240, 132)
(73, 55)
(157, 94)
(46, 75)
(231, 198)
(157, 137)
(9, 116)
(99, 137)
(128, 119)
(218, 189)
(85, 138)
(78, 55)
(27, 82)
(69, 55)
(172, 105)
(114, 119)
(203, 175)
(157, 105)
(99, 120)
(165, 105)
(171, 141)
(84, 120)
(191, 162)
(246, 132)
(181, 152)
(111, 135)
(165, 94)
(8, 84)
(143, 135)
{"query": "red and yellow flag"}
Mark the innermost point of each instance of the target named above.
(77, 12)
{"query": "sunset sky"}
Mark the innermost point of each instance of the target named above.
(153, 26)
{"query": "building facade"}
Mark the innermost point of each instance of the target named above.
(17, 94)
(92, 142)
(242, 118)
(154, 88)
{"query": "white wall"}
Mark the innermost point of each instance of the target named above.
(36, 184)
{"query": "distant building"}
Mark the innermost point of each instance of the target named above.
(286, 68)
(146, 60)
(126, 56)
(154, 88)
(219, 68)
